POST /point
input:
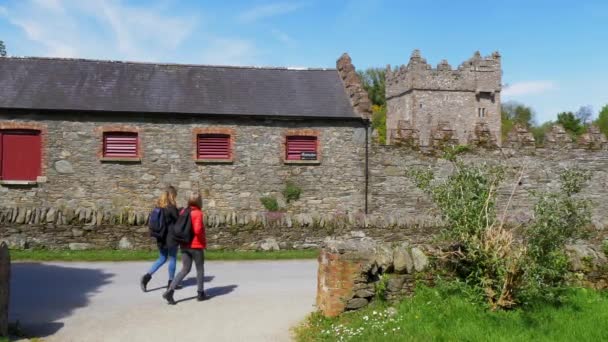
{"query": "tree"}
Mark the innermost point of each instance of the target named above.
(518, 114)
(540, 131)
(602, 120)
(584, 114)
(2, 49)
(515, 113)
(373, 80)
(571, 123)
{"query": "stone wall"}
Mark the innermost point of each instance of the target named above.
(393, 191)
(5, 279)
(434, 102)
(261, 231)
(76, 177)
(352, 273)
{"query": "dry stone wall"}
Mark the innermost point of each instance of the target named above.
(353, 272)
(263, 231)
(393, 191)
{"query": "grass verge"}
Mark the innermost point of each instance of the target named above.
(439, 314)
(141, 255)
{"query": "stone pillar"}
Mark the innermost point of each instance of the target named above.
(5, 277)
(336, 282)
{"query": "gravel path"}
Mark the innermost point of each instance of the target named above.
(251, 301)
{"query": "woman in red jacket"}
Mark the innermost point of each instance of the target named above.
(195, 251)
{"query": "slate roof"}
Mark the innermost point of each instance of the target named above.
(91, 85)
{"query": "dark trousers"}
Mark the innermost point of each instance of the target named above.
(188, 256)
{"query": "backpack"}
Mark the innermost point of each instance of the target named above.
(157, 223)
(182, 229)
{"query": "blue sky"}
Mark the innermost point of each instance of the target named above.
(554, 52)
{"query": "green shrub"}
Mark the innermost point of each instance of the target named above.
(605, 247)
(381, 286)
(291, 192)
(558, 216)
(486, 255)
(270, 203)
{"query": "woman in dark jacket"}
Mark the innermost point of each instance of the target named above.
(167, 249)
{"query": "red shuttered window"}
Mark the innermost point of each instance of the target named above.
(214, 147)
(20, 155)
(120, 145)
(301, 148)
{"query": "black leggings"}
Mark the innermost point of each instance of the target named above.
(189, 255)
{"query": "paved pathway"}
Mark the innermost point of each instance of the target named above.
(252, 301)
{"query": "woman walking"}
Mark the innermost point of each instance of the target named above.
(167, 249)
(193, 251)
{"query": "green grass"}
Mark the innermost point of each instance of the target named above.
(436, 314)
(141, 255)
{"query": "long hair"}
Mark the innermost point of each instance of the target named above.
(163, 200)
(171, 195)
(195, 200)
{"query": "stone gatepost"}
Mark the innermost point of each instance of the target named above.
(337, 276)
(353, 273)
(5, 277)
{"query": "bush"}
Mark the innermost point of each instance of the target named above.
(558, 216)
(291, 192)
(485, 254)
(270, 203)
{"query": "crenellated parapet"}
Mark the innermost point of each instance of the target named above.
(557, 138)
(405, 135)
(478, 74)
(482, 136)
(519, 137)
(593, 139)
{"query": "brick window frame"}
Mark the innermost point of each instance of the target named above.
(302, 133)
(101, 131)
(43, 132)
(213, 130)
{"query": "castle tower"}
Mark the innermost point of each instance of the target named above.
(432, 104)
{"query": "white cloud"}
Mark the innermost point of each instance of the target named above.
(100, 29)
(528, 88)
(268, 10)
(229, 51)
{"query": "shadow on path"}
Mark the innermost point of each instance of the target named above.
(213, 292)
(185, 283)
(43, 294)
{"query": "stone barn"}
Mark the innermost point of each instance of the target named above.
(78, 133)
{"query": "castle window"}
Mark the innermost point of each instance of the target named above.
(481, 112)
(20, 155)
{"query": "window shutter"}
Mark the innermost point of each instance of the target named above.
(298, 144)
(21, 155)
(120, 145)
(214, 146)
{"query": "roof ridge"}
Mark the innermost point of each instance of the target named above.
(167, 64)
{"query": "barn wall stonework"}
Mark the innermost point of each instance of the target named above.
(76, 177)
